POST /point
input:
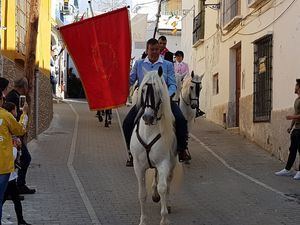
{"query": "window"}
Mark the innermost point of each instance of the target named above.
(262, 102)
(22, 20)
(216, 84)
(231, 12)
(199, 23)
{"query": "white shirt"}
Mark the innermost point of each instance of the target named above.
(14, 174)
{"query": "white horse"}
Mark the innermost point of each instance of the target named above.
(189, 97)
(153, 142)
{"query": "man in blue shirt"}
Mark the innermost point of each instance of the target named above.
(152, 62)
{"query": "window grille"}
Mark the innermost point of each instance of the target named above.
(262, 102)
(198, 24)
(22, 21)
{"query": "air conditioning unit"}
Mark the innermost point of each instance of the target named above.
(254, 3)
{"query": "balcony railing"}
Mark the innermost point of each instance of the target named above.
(198, 27)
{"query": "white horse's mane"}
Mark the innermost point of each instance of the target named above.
(186, 86)
(167, 120)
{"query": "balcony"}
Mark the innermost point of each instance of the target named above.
(231, 13)
(198, 28)
(254, 3)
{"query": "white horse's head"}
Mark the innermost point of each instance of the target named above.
(191, 90)
(153, 98)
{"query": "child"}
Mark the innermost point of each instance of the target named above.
(180, 67)
(12, 189)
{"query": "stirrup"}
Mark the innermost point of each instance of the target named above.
(199, 113)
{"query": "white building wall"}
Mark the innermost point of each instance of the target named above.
(286, 56)
(215, 55)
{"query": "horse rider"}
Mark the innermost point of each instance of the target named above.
(152, 62)
(182, 69)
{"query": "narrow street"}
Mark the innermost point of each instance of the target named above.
(79, 171)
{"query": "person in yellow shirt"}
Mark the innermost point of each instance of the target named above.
(8, 127)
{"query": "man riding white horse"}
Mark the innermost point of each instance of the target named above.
(152, 62)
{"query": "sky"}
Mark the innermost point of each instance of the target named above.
(83, 4)
(149, 8)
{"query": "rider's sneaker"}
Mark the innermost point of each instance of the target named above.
(129, 162)
(184, 156)
(199, 113)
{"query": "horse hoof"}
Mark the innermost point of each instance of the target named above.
(169, 209)
(109, 122)
(106, 125)
(156, 198)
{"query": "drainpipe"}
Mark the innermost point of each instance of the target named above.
(157, 18)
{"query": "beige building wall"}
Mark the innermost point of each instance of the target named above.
(173, 5)
(216, 54)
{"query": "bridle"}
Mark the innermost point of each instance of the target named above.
(149, 101)
(190, 97)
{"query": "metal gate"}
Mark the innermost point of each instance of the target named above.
(263, 57)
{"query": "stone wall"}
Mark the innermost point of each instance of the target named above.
(45, 103)
(12, 71)
(271, 136)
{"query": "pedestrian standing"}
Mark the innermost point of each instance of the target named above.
(4, 83)
(12, 189)
(21, 88)
(8, 127)
(294, 130)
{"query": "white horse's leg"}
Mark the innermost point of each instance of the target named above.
(155, 195)
(169, 180)
(140, 174)
(162, 187)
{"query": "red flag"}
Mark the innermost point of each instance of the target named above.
(101, 48)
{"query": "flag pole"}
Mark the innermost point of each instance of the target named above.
(91, 8)
(157, 17)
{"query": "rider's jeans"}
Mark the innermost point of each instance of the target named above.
(180, 126)
(128, 125)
